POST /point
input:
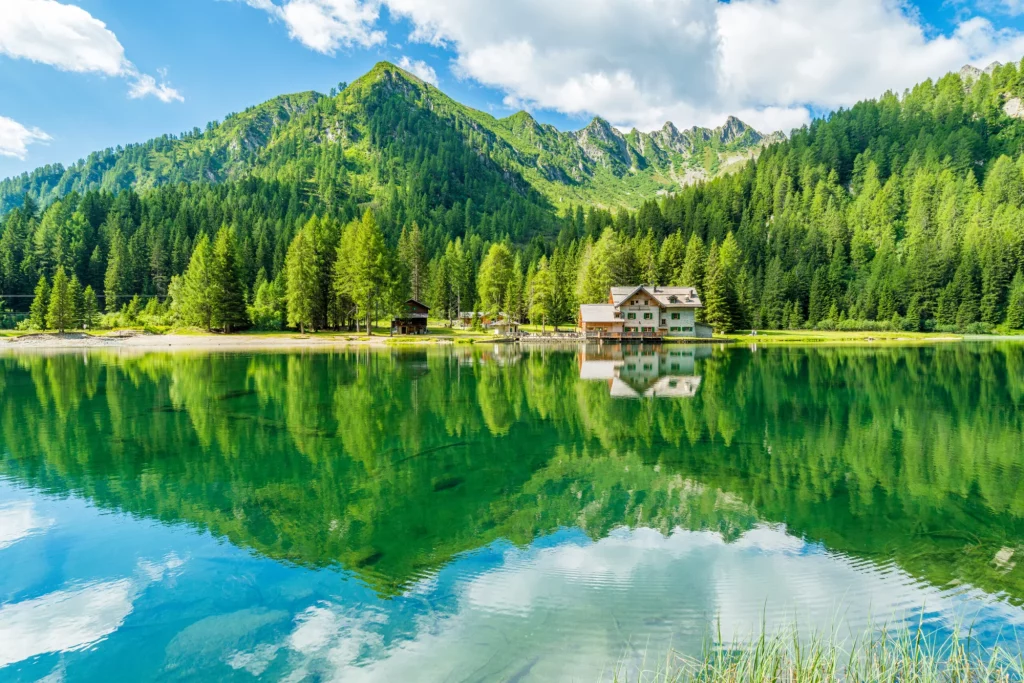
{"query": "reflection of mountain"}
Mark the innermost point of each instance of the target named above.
(389, 464)
(644, 371)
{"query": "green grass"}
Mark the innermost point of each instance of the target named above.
(903, 656)
(837, 337)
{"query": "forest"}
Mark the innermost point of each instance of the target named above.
(905, 212)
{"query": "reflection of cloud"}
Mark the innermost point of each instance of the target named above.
(19, 521)
(74, 618)
(550, 612)
(63, 620)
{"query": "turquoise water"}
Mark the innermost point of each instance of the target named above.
(496, 513)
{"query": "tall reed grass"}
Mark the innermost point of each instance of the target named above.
(907, 655)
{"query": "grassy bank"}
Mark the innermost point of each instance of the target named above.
(838, 337)
(906, 656)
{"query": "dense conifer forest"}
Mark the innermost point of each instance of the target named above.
(319, 212)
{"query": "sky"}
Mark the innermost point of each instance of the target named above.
(82, 75)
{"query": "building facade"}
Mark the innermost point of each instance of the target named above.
(644, 311)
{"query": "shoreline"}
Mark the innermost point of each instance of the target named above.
(146, 341)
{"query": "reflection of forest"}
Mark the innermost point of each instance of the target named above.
(635, 371)
(389, 464)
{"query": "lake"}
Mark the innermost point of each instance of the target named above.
(497, 512)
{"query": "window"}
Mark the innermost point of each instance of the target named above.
(674, 329)
(648, 316)
(687, 329)
(675, 316)
(648, 366)
(675, 366)
(673, 299)
(631, 316)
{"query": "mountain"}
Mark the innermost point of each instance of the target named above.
(597, 165)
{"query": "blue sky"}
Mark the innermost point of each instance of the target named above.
(81, 75)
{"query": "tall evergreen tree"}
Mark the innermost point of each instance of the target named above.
(302, 282)
(60, 312)
(228, 302)
(90, 308)
(717, 308)
(198, 288)
(40, 305)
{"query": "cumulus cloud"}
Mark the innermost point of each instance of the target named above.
(14, 141)
(419, 69)
(696, 61)
(77, 617)
(64, 620)
(68, 38)
(770, 62)
(326, 25)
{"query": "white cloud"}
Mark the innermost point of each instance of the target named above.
(326, 25)
(19, 520)
(419, 69)
(146, 85)
(14, 141)
(74, 618)
(579, 609)
(696, 61)
(64, 620)
(68, 38)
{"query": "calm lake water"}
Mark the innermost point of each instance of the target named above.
(496, 513)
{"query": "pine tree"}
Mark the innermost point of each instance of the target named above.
(198, 287)
(542, 293)
(114, 279)
(90, 308)
(495, 273)
(1015, 307)
(515, 299)
(694, 264)
(40, 305)
(302, 285)
(717, 311)
(59, 315)
(773, 313)
(412, 257)
(367, 268)
(228, 302)
(77, 302)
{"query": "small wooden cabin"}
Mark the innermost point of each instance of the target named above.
(412, 319)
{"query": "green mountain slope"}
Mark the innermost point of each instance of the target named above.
(286, 138)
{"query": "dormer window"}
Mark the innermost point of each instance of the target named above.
(673, 299)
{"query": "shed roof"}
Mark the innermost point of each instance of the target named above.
(598, 313)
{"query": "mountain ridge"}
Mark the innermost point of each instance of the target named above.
(566, 166)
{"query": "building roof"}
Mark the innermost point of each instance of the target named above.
(667, 297)
(598, 313)
(418, 303)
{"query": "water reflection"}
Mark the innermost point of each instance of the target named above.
(643, 371)
(485, 513)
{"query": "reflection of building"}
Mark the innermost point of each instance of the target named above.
(412, 319)
(644, 371)
(644, 312)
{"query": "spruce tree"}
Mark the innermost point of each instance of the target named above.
(198, 287)
(493, 281)
(229, 312)
(542, 293)
(77, 303)
(717, 312)
(90, 308)
(1015, 306)
(302, 285)
(61, 307)
(693, 265)
(40, 305)
(114, 279)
